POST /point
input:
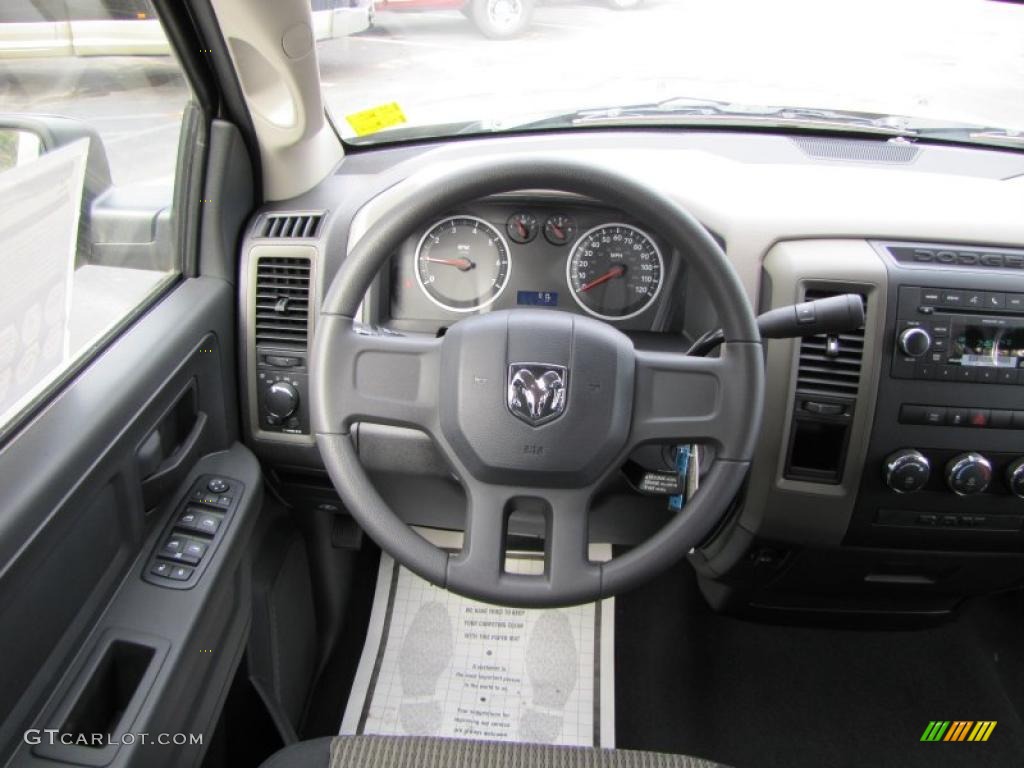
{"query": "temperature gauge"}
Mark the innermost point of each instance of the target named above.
(560, 230)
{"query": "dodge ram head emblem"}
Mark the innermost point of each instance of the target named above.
(537, 391)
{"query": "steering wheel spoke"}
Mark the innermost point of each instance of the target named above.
(682, 399)
(567, 574)
(377, 377)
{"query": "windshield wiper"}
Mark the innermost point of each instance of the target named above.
(686, 111)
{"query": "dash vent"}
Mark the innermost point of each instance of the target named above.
(290, 225)
(830, 366)
(857, 150)
(282, 301)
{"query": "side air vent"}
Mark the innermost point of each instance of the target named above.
(282, 301)
(857, 150)
(830, 365)
(290, 225)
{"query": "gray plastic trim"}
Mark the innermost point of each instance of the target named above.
(252, 253)
(791, 510)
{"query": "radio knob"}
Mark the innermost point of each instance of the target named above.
(968, 474)
(915, 342)
(281, 399)
(1015, 478)
(907, 471)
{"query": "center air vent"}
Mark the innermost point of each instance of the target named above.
(830, 365)
(282, 301)
(290, 225)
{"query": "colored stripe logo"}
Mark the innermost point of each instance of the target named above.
(958, 730)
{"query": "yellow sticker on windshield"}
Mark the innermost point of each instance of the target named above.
(376, 119)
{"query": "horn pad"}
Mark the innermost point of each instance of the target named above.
(536, 397)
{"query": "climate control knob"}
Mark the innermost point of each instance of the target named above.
(915, 342)
(968, 474)
(1015, 478)
(907, 471)
(281, 399)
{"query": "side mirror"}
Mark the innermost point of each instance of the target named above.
(24, 137)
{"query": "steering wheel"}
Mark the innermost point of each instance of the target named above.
(604, 398)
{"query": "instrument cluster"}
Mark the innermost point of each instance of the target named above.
(505, 254)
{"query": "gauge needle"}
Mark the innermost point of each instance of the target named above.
(523, 231)
(464, 264)
(617, 271)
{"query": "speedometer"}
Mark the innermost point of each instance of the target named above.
(615, 271)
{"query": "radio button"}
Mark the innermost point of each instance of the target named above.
(952, 299)
(1015, 302)
(940, 345)
(1001, 419)
(940, 329)
(1006, 375)
(924, 371)
(934, 415)
(915, 342)
(980, 417)
(957, 417)
(974, 299)
(965, 373)
(995, 300)
(987, 376)
(912, 414)
(930, 296)
(945, 372)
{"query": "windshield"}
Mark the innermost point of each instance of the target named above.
(441, 67)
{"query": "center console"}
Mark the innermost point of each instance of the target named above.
(945, 464)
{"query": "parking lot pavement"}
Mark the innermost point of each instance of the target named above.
(134, 102)
(951, 59)
(948, 59)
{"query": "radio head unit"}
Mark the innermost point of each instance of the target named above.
(959, 335)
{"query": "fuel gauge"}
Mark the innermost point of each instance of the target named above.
(522, 227)
(560, 230)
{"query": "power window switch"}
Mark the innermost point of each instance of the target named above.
(194, 551)
(208, 524)
(173, 547)
(162, 569)
(180, 573)
(188, 519)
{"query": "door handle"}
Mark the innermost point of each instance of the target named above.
(171, 469)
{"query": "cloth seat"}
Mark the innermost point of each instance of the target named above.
(428, 752)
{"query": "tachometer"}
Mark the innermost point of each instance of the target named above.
(615, 271)
(462, 263)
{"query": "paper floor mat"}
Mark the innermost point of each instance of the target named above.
(438, 664)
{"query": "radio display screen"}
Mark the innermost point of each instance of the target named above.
(994, 346)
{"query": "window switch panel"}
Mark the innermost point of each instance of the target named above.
(193, 532)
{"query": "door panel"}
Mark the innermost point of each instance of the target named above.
(73, 521)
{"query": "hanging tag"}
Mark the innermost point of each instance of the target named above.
(678, 501)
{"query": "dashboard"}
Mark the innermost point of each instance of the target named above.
(539, 251)
(889, 471)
